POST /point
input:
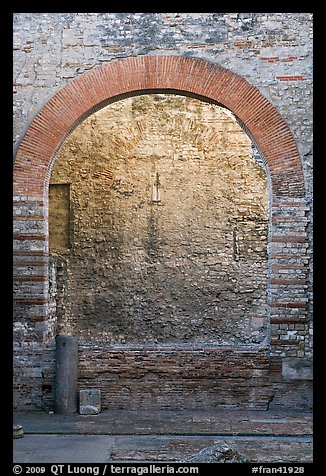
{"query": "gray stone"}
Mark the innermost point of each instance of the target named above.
(297, 369)
(88, 410)
(18, 431)
(89, 401)
(218, 453)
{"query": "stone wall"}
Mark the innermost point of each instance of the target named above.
(270, 51)
(168, 225)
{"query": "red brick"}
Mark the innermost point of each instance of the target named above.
(284, 342)
(290, 78)
(30, 277)
(31, 301)
(289, 320)
(40, 237)
(288, 239)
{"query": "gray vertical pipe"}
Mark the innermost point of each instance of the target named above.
(66, 379)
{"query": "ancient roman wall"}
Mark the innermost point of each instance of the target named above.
(257, 65)
(167, 221)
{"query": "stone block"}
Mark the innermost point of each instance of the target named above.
(218, 453)
(89, 401)
(18, 431)
(297, 369)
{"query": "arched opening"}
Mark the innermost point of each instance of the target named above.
(245, 379)
(158, 217)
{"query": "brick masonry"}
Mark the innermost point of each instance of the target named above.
(66, 66)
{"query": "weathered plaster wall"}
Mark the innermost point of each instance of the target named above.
(168, 218)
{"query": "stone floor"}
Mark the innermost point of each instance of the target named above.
(162, 436)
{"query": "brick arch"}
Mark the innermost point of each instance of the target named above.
(65, 109)
(137, 75)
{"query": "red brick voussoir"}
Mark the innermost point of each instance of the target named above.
(96, 87)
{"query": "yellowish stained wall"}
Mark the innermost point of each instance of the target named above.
(168, 226)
